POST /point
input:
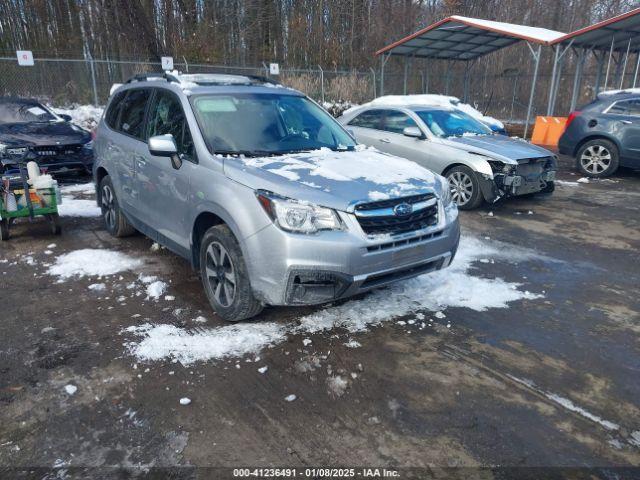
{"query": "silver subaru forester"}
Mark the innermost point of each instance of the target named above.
(267, 196)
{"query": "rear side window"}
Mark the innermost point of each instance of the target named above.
(396, 122)
(132, 116)
(113, 113)
(626, 107)
(369, 119)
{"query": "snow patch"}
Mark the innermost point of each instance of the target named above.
(78, 207)
(454, 286)
(156, 289)
(92, 262)
(85, 116)
(70, 389)
(169, 341)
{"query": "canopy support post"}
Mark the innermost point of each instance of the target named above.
(467, 71)
(635, 76)
(556, 76)
(448, 78)
(577, 79)
(383, 61)
(553, 77)
(599, 72)
(536, 56)
(624, 69)
(606, 78)
(406, 69)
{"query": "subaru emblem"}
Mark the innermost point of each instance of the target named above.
(402, 210)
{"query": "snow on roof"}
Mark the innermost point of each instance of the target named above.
(432, 100)
(606, 93)
(521, 31)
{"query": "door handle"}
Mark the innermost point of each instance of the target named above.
(385, 140)
(140, 160)
(626, 122)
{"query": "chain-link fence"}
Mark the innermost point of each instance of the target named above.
(504, 96)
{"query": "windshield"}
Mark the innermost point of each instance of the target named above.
(452, 123)
(21, 112)
(266, 124)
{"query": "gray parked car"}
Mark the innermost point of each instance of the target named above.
(604, 134)
(480, 165)
(267, 196)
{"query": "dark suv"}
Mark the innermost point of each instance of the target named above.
(60, 146)
(605, 134)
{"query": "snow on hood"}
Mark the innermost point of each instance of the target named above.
(431, 100)
(333, 179)
(498, 145)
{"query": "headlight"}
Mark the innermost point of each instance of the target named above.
(3, 148)
(446, 197)
(294, 216)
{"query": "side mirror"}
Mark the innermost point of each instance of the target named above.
(165, 146)
(413, 132)
(65, 117)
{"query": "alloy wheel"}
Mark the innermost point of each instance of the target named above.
(108, 207)
(461, 187)
(221, 274)
(595, 159)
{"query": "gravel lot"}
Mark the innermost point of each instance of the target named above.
(548, 379)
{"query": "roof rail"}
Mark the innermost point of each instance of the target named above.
(141, 77)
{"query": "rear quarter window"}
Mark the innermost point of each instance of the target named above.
(134, 107)
(368, 119)
(113, 112)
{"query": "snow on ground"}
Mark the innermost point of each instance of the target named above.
(92, 262)
(85, 116)
(78, 207)
(83, 188)
(455, 286)
(566, 403)
(431, 100)
(168, 341)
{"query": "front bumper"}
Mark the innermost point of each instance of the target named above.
(287, 269)
(81, 164)
(525, 179)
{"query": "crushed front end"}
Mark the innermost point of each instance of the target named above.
(529, 175)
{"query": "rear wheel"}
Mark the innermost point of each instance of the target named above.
(4, 229)
(225, 277)
(114, 220)
(56, 228)
(598, 158)
(465, 188)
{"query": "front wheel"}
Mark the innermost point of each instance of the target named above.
(465, 188)
(598, 158)
(225, 277)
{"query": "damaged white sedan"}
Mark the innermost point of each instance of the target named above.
(479, 164)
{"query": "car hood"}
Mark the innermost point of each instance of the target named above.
(332, 179)
(498, 146)
(42, 134)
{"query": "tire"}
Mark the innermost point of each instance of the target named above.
(224, 276)
(465, 187)
(4, 230)
(56, 228)
(549, 188)
(114, 220)
(598, 158)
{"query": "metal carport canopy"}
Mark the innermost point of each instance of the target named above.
(620, 34)
(459, 38)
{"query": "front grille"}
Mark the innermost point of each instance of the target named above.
(57, 150)
(389, 223)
